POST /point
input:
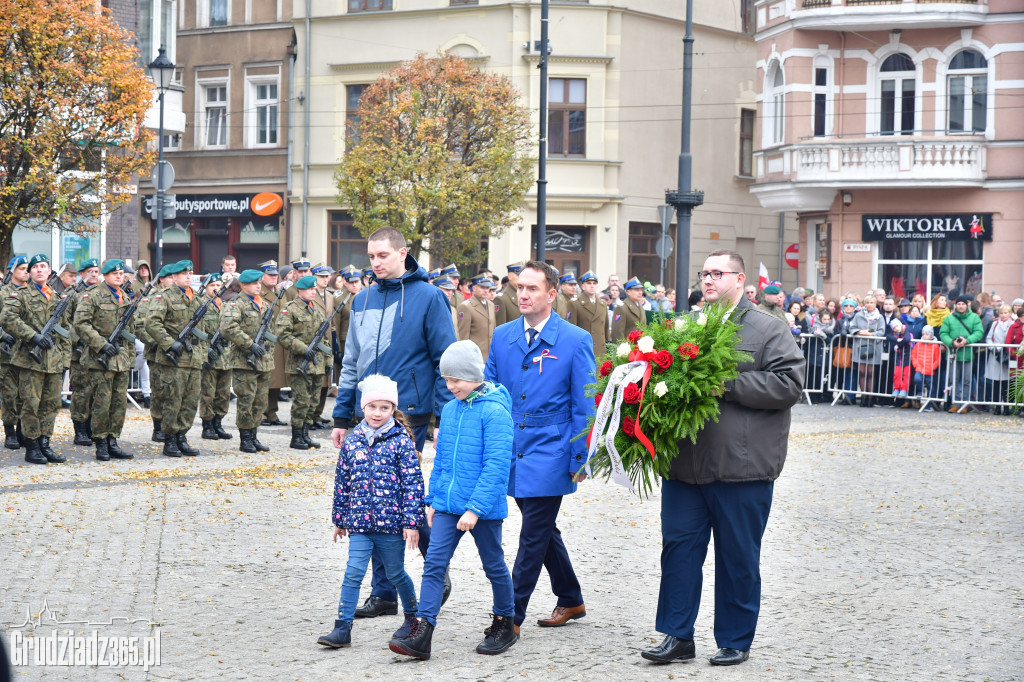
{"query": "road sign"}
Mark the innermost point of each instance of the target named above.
(793, 255)
(665, 213)
(663, 247)
(170, 205)
(166, 179)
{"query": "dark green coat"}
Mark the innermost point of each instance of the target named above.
(25, 313)
(210, 325)
(296, 325)
(97, 314)
(239, 323)
(170, 311)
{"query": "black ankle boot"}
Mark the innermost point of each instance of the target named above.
(102, 451)
(298, 442)
(11, 437)
(246, 444)
(499, 636)
(185, 448)
(219, 429)
(115, 450)
(48, 453)
(417, 644)
(158, 435)
(81, 435)
(33, 455)
(20, 435)
(88, 428)
(256, 441)
(171, 446)
(313, 444)
(339, 637)
(209, 433)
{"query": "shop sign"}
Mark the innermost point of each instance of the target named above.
(222, 205)
(856, 247)
(948, 226)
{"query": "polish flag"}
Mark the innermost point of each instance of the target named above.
(762, 277)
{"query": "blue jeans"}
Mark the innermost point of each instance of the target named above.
(443, 541)
(926, 386)
(391, 550)
(963, 376)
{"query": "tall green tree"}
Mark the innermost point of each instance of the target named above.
(72, 103)
(442, 153)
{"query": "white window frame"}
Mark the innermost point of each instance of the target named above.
(826, 90)
(154, 31)
(252, 107)
(773, 130)
(969, 76)
(203, 13)
(201, 112)
(875, 100)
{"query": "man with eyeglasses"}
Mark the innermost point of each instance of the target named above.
(751, 293)
(723, 483)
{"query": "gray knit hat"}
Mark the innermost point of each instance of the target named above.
(463, 360)
(927, 329)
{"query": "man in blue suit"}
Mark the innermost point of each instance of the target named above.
(545, 363)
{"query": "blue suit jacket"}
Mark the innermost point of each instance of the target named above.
(549, 408)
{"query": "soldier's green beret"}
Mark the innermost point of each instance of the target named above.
(16, 261)
(112, 265)
(175, 268)
(307, 282)
(38, 258)
(185, 265)
(212, 277)
(91, 263)
(249, 276)
(165, 271)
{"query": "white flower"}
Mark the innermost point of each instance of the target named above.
(623, 350)
(702, 319)
(645, 344)
(660, 389)
(680, 323)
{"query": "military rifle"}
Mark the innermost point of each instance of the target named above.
(189, 330)
(121, 332)
(263, 333)
(52, 325)
(216, 348)
(318, 338)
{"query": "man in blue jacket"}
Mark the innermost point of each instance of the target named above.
(545, 362)
(399, 327)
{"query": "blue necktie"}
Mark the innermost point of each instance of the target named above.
(531, 334)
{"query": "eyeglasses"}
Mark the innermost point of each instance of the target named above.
(714, 274)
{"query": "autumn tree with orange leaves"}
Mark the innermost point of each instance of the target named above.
(72, 103)
(442, 153)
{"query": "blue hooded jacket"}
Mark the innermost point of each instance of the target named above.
(399, 328)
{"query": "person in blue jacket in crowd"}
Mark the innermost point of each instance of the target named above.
(400, 326)
(467, 492)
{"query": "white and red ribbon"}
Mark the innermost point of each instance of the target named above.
(539, 360)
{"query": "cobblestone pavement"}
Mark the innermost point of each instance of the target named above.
(893, 552)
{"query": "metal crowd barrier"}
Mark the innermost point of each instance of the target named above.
(133, 387)
(984, 378)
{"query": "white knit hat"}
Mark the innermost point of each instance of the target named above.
(378, 387)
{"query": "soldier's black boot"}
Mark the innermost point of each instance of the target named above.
(209, 433)
(33, 455)
(185, 448)
(115, 450)
(158, 435)
(313, 444)
(20, 434)
(102, 451)
(11, 439)
(219, 429)
(246, 444)
(298, 442)
(88, 428)
(48, 453)
(256, 441)
(81, 435)
(171, 446)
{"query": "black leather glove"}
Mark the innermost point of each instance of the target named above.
(7, 339)
(42, 341)
(309, 354)
(258, 350)
(337, 359)
(188, 345)
(212, 354)
(109, 349)
(176, 348)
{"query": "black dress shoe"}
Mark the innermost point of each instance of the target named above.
(727, 656)
(375, 606)
(672, 649)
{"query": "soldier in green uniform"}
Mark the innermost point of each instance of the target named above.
(215, 391)
(278, 378)
(297, 323)
(631, 312)
(353, 285)
(240, 321)
(24, 316)
(566, 296)
(475, 319)
(590, 314)
(105, 365)
(10, 403)
(179, 364)
(506, 304)
(325, 303)
(81, 390)
(156, 404)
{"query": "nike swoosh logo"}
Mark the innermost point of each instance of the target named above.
(259, 207)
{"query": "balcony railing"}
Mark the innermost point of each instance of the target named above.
(816, 4)
(888, 160)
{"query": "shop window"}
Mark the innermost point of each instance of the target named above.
(567, 117)
(898, 95)
(347, 245)
(566, 247)
(644, 262)
(968, 92)
(908, 267)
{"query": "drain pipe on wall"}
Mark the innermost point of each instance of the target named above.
(782, 244)
(305, 134)
(293, 53)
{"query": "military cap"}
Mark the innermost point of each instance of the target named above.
(368, 273)
(185, 265)
(38, 258)
(129, 270)
(588, 276)
(16, 261)
(91, 263)
(321, 269)
(433, 274)
(269, 267)
(301, 264)
(443, 282)
(773, 289)
(249, 276)
(483, 280)
(351, 274)
(165, 271)
(175, 268)
(307, 282)
(567, 278)
(555, 269)
(516, 267)
(212, 277)
(112, 265)
(632, 284)
(450, 271)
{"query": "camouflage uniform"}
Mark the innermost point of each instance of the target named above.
(278, 377)
(10, 403)
(171, 310)
(149, 355)
(98, 312)
(297, 324)
(326, 303)
(26, 312)
(81, 390)
(216, 381)
(239, 322)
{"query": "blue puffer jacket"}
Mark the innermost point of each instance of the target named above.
(398, 327)
(378, 487)
(474, 445)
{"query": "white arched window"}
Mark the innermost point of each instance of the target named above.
(775, 106)
(898, 92)
(968, 92)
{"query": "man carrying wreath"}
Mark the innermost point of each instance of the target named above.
(723, 483)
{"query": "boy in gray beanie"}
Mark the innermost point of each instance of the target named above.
(463, 360)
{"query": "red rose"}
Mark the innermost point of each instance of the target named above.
(631, 394)
(635, 335)
(606, 368)
(663, 359)
(597, 399)
(689, 350)
(668, 324)
(628, 426)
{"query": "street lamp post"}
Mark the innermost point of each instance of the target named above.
(161, 71)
